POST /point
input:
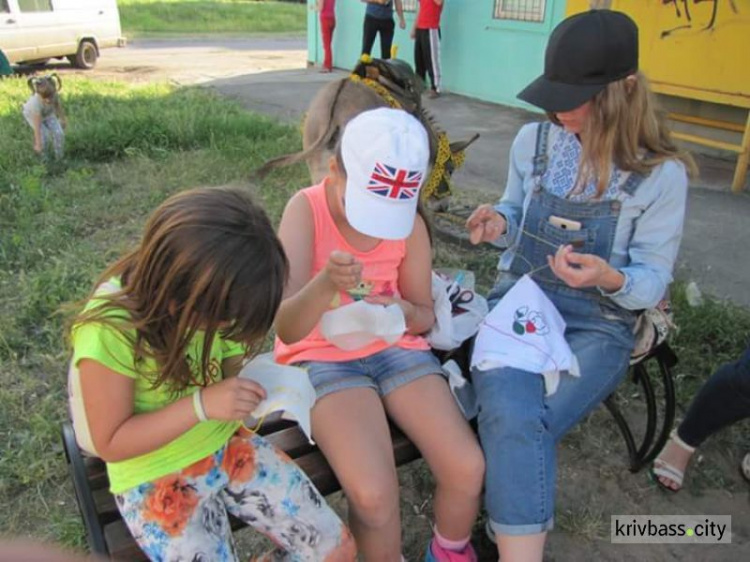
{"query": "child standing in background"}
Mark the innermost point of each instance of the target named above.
(44, 114)
(426, 35)
(327, 9)
(379, 21)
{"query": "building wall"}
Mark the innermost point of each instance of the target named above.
(493, 59)
(482, 57)
(692, 48)
(691, 52)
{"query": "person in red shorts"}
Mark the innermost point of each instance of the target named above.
(426, 35)
(327, 9)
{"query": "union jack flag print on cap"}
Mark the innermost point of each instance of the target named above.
(393, 183)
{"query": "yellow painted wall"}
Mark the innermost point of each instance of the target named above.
(693, 56)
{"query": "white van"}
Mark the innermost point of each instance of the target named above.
(34, 31)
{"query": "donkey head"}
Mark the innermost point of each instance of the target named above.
(49, 84)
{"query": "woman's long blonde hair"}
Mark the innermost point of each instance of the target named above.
(623, 122)
(209, 260)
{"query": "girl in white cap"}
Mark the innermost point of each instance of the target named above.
(593, 212)
(357, 236)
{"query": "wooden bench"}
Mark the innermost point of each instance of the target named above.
(734, 99)
(108, 535)
(742, 149)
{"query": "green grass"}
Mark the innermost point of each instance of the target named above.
(128, 149)
(211, 16)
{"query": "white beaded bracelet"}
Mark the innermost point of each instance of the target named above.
(198, 407)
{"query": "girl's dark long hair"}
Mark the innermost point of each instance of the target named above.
(209, 260)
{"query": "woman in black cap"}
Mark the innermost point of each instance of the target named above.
(593, 212)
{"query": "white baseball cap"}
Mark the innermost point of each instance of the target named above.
(386, 154)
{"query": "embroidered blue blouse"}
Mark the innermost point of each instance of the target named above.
(649, 229)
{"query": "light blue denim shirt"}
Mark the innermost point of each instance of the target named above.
(649, 228)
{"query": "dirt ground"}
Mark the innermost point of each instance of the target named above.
(594, 482)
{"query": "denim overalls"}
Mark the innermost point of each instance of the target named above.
(519, 427)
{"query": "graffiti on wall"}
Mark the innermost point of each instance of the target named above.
(687, 18)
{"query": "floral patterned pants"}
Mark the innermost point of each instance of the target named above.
(184, 516)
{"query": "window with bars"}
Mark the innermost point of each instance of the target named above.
(520, 10)
(410, 5)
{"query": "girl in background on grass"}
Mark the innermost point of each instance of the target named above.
(44, 114)
(357, 235)
(153, 389)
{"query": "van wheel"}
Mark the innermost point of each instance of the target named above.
(86, 56)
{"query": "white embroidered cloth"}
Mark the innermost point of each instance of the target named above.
(525, 331)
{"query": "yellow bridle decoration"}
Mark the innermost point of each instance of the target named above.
(378, 88)
(429, 189)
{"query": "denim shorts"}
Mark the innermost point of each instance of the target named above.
(384, 371)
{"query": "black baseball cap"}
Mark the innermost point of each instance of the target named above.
(585, 52)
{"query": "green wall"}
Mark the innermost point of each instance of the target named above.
(482, 57)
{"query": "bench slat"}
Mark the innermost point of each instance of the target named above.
(121, 544)
(291, 440)
(106, 507)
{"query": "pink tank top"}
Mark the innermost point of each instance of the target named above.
(379, 277)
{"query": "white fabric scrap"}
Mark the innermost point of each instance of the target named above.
(354, 326)
(288, 390)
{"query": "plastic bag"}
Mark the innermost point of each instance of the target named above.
(651, 329)
(458, 309)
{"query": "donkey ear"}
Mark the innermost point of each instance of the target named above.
(57, 80)
(458, 146)
(32, 83)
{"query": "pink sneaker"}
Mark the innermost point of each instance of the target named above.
(436, 553)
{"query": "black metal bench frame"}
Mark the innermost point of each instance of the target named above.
(650, 445)
(107, 534)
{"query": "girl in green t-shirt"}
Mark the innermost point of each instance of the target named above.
(153, 392)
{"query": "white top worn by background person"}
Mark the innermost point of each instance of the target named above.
(44, 114)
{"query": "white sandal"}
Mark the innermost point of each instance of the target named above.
(666, 470)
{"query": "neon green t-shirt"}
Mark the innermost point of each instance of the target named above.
(111, 348)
